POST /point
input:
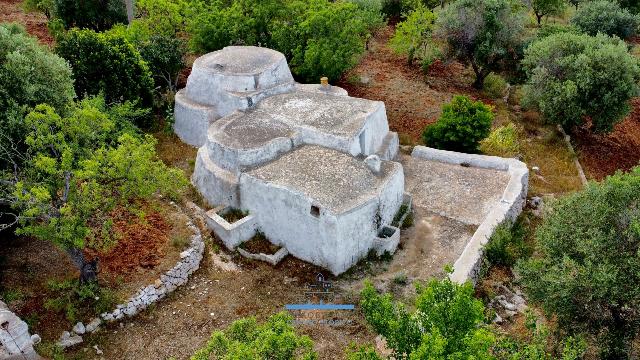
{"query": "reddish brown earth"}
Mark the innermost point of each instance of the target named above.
(412, 99)
(604, 154)
(35, 23)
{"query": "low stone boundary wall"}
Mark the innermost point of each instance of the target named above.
(467, 266)
(167, 283)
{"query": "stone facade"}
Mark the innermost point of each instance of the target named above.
(311, 165)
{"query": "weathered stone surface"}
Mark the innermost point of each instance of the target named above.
(79, 328)
(15, 339)
(67, 340)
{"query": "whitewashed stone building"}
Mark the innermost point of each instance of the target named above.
(312, 166)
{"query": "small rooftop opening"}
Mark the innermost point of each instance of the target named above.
(315, 211)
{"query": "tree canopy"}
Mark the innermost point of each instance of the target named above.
(588, 269)
(575, 78)
(481, 33)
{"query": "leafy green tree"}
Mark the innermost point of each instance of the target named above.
(318, 37)
(542, 8)
(573, 77)
(165, 18)
(108, 64)
(413, 34)
(29, 75)
(588, 266)
(464, 123)
(447, 323)
(481, 33)
(607, 17)
(78, 168)
(98, 15)
(246, 339)
(331, 39)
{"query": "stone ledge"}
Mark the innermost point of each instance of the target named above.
(15, 340)
(273, 259)
(232, 234)
(467, 266)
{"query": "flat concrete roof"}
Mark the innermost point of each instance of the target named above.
(465, 194)
(333, 180)
(337, 115)
(242, 130)
(236, 60)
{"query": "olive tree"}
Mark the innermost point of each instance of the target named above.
(575, 77)
(542, 8)
(29, 75)
(607, 17)
(77, 169)
(587, 268)
(413, 34)
(481, 33)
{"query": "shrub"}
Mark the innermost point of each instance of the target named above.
(502, 141)
(494, 86)
(412, 35)
(319, 38)
(587, 272)
(245, 339)
(461, 127)
(507, 244)
(29, 75)
(107, 63)
(98, 15)
(575, 76)
(446, 323)
(607, 17)
(552, 28)
(482, 33)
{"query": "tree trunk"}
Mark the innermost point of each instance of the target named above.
(480, 75)
(129, 5)
(88, 269)
(539, 18)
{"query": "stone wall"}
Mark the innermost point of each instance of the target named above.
(167, 283)
(467, 266)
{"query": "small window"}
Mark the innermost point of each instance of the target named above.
(315, 211)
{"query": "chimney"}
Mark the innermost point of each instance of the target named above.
(373, 163)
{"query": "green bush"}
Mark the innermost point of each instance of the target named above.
(98, 15)
(446, 324)
(588, 266)
(606, 17)
(106, 63)
(553, 28)
(319, 37)
(494, 86)
(575, 76)
(461, 127)
(75, 299)
(507, 244)
(246, 339)
(502, 141)
(29, 75)
(412, 36)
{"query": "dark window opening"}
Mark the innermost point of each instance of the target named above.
(315, 211)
